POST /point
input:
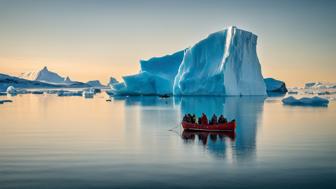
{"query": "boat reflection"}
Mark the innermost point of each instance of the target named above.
(205, 136)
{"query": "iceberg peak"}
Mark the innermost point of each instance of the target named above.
(224, 63)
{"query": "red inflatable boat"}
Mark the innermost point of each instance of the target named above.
(222, 127)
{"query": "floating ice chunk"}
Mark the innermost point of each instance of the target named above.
(320, 85)
(293, 92)
(305, 101)
(69, 93)
(11, 90)
(37, 92)
(89, 93)
(273, 85)
(52, 91)
(309, 85)
(4, 101)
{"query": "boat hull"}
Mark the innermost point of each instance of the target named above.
(224, 127)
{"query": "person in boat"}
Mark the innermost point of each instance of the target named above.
(221, 119)
(199, 121)
(204, 119)
(213, 120)
(193, 118)
(185, 119)
(189, 118)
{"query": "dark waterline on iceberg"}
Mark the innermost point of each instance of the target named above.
(134, 142)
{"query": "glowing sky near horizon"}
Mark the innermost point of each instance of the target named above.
(97, 39)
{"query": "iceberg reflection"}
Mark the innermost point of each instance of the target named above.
(246, 110)
(154, 114)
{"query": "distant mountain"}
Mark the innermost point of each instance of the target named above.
(95, 83)
(44, 75)
(67, 80)
(7, 80)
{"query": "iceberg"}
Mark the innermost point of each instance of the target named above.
(5, 101)
(112, 81)
(155, 78)
(69, 93)
(275, 86)
(320, 85)
(225, 63)
(305, 101)
(37, 92)
(11, 90)
(88, 93)
(293, 92)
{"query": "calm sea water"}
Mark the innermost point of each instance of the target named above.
(71, 142)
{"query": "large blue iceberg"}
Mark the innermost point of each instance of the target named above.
(224, 63)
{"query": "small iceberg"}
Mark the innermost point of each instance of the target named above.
(305, 101)
(11, 90)
(4, 101)
(275, 86)
(293, 92)
(88, 93)
(37, 92)
(69, 93)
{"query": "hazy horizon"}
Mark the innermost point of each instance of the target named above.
(89, 40)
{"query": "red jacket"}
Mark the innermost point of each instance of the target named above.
(204, 120)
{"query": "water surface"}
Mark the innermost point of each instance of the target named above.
(136, 142)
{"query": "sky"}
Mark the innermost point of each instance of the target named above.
(87, 39)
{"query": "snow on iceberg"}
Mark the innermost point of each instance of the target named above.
(275, 86)
(305, 101)
(156, 77)
(225, 63)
